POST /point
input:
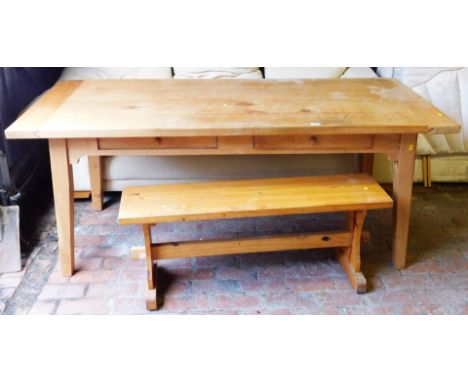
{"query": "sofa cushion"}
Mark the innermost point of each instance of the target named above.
(359, 72)
(217, 72)
(303, 73)
(447, 89)
(115, 73)
(412, 76)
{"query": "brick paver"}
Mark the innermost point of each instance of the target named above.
(108, 281)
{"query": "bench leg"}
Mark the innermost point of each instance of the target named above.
(151, 271)
(350, 257)
(151, 294)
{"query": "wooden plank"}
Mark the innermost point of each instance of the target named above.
(152, 293)
(62, 181)
(151, 299)
(138, 252)
(38, 113)
(236, 145)
(242, 145)
(355, 254)
(151, 272)
(149, 262)
(357, 279)
(80, 148)
(429, 171)
(424, 169)
(168, 108)
(95, 177)
(367, 164)
(251, 245)
(158, 143)
(311, 142)
(256, 197)
(81, 194)
(403, 171)
(349, 226)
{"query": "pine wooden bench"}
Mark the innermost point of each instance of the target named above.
(355, 194)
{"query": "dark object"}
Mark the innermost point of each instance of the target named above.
(22, 162)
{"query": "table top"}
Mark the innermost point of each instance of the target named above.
(152, 108)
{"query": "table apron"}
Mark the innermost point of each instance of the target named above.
(388, 144)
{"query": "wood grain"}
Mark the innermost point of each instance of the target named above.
(62, 181)
(367, 163)
(95, 177)
(159, 108)
(403, 171)
(251, 245)
(242, 145)
(355, 253)
(311, 142)
(244, 198)
(139, 252)
(158, 143)
(38, 113)
(149, 263)
(356, 278)
(81, 194)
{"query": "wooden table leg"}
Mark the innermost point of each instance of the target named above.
(429, 171)
(95, 175)
(367, 163)
(424, 169)
(403, 171)
(62, 180)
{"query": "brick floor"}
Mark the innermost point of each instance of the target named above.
(108, 281)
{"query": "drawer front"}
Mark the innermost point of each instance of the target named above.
(311, 142)
(158, 143)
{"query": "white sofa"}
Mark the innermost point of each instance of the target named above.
(120, 172)
(446, 88)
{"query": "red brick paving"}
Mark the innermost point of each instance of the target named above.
(62, 292)
(108, 281)
(84, 306)
(44, 307)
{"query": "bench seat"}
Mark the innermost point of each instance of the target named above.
(250, 198)
(354, 194)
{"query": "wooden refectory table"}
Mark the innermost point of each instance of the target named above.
(98, 118)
